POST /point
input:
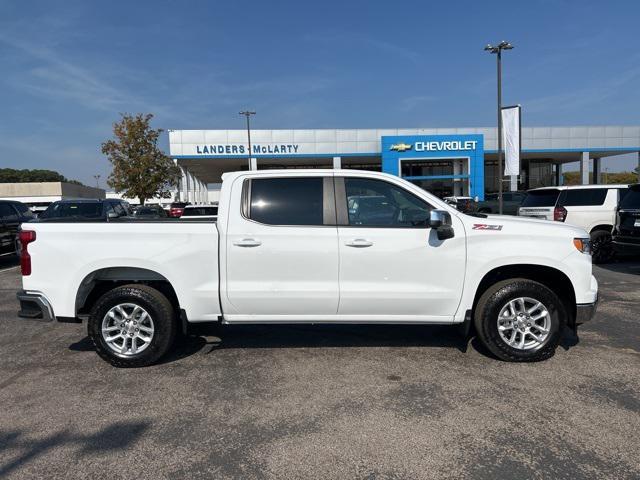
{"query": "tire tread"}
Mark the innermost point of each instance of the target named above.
(164, 312)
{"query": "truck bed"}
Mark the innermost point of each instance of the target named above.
(67, 254)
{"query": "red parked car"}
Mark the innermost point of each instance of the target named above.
(176, 209)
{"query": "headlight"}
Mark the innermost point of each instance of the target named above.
(583, 245)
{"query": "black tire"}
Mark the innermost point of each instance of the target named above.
(601, 246)
(159, 309)
(496, 297)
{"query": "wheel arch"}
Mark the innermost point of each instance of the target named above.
(553, 278)
(100, 281)
(603, 227)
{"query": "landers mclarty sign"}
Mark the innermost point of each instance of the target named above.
(240, 149)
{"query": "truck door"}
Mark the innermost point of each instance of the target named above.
(282, 249)
(392, 266)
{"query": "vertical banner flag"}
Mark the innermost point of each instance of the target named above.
(511, 139)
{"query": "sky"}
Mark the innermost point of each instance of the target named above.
(68, 69)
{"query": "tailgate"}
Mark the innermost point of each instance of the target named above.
(545, 213)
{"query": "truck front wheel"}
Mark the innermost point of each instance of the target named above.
(519, 320)
(132, 325)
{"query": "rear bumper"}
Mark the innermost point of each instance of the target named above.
(585, 311)
(35, 306)
(624, 245)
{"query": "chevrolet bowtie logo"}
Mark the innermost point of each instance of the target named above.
(400, 147)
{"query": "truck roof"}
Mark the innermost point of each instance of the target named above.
(578, 187)
(299, 171)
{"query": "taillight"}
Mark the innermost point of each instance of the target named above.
(176, 212)
(25, 237)
(559, 214)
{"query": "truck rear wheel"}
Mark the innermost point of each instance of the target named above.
(132, 326)
(520, 320)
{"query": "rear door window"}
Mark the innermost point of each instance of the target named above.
(587, 197)
(286, 201)
(541, 198)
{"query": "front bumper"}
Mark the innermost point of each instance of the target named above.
(585, 311)
(35, 306)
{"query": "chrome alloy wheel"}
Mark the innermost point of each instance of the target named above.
(524, 323)
(127, 329)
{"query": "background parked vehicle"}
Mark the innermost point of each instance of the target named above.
(592, 207)
(12, 214)
(150, 212)
(462, 204)
(176, 209)
(83, 210)
(511, 201)
(200, 212)
(626, 233)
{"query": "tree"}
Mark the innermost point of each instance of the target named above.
(573, 178)
(140, 168)
(24, 175)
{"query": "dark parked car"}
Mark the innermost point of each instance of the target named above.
(511, 201)
(150, 212)
(12, 214)
(626, 232)
(86, 210)
(200, 212)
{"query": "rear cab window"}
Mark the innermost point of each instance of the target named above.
(201, 211)
(541, 198)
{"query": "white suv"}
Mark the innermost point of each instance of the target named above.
(591, 207)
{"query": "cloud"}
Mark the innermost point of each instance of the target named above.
(56, 78)
(416, 101)
(358, 39)
(583, 97)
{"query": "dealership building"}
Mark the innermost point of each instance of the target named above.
(444, 161)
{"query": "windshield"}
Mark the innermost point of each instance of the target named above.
(631, 200)
(541, 198)
(82, 209)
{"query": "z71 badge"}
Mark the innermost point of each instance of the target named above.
(484, 226)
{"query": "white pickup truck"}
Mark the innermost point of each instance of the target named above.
(311, 246)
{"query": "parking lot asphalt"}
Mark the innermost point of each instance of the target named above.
(369, 402)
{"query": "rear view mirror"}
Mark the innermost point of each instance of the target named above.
(440, 220)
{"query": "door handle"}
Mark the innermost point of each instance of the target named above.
(247, 242)
(359, 243)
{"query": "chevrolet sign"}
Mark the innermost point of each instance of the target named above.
(445, 145)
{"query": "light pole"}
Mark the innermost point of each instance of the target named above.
(498, 51)
(97, 177)
(248, 114)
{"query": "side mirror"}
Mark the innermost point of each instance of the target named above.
(441, 222)
(112, 215)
